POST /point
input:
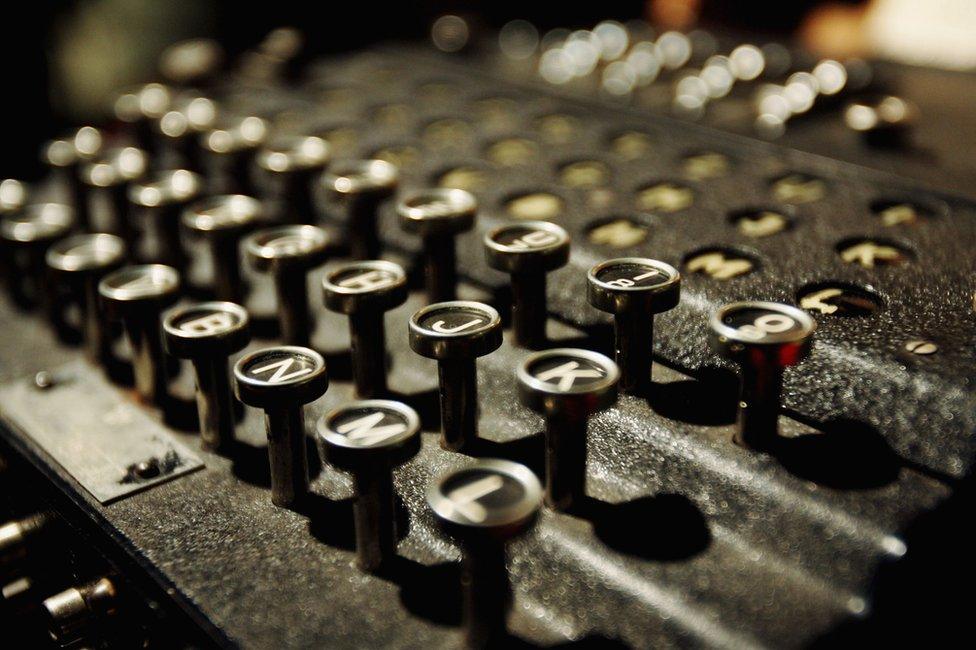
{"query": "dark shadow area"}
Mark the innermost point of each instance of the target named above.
(174, 366)
(180, 412)
(914, 601)
(501, 299)
(413, 265)
(21, 292)
(65, 319)
(580, 341)
(847, 455)
(529, 451)
(432, 593)
(119, 371)
(330, 521)
(250, 462)
(28, 621)
(426, 403)
(239, 410)
(678, 528)
(339, 365)
(710, 401)
(199, 292)
(264, 327)
(180, 409)
(402, 514)
(314, 459)
(600, 338)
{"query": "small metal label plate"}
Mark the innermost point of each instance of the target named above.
(109, 445)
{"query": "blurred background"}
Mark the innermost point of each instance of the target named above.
(62, 60)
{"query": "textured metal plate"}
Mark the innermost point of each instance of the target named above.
(108, 444)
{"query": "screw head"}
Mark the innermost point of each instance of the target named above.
(633, 284)
(491, 497)
(374, 285)
(554, 381)
(86, 253)
(284, 376)
(147, 469)
(439, 211)
(456, 329)
(44, 380)
(287, 247)
(762, 332)
(133, 288)
(527, 247)
(172, 187)
(360, 433)
(38, 223)
(229, 214)
(206, 329)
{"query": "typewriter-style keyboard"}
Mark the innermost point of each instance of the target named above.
(420, 350)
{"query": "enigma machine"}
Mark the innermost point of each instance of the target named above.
(513, 337)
